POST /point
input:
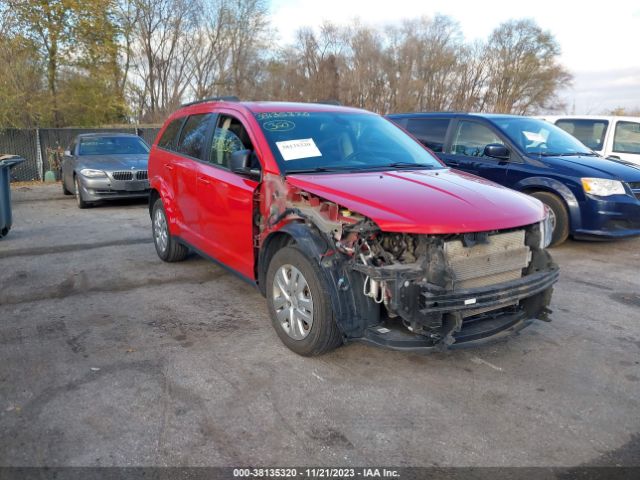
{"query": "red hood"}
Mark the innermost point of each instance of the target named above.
(434, 202)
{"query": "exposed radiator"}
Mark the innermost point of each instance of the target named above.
(500, 260)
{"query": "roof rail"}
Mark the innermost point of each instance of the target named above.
(224, 98)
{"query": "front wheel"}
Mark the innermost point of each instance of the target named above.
(65, 190)
(299, 305)
(167, 246)
(559, 216)
(79, 200)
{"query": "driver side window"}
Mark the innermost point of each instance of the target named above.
(470, 139)
(229, 136)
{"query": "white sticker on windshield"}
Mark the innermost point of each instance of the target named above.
(534, 137)
(296, 149)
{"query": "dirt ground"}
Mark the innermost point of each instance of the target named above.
(109, 356)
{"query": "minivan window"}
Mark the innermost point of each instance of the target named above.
(310, 142)
(537, 137)
(193, 135)
(471, 138)
(430, 131)
(627, 137)
(170, 133)
(589, 132)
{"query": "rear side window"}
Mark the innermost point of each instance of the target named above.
(168, 139)
(627, 138)
(430, 131)
(590, 132)
(194, 135)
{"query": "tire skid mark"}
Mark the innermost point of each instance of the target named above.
(24, 252)
(70, 288)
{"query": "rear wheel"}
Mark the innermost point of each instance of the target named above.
(558, 215)
(299, 305)
(167, 247)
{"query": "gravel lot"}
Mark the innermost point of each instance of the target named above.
(109, 356)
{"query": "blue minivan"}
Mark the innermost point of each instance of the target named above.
(588, 196)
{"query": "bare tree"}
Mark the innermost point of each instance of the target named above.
(163, 50)
(525, 74)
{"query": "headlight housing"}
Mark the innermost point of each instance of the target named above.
(602, 187)
(91, 173)
(546, 230)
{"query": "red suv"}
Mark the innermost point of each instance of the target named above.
(350, 228)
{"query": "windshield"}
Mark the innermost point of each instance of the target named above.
(537, 137)
(112, 146)
(304, 142)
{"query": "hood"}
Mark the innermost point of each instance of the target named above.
(598, 167)
(114, 162)
(425, 201)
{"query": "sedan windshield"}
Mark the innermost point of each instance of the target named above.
(310, 142)
(537, 137)
(112, 146)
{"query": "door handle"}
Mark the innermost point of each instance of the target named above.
(168, 166)
(204, 180)
(453, 164)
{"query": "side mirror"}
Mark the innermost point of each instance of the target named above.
(496, 150)
(240, 163)
(67, 153)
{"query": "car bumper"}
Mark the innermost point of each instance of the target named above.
(531, 293)
(95, 189)
(617, 217)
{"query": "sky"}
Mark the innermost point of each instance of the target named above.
(600, 41)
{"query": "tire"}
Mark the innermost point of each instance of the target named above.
(78, 193)
(4, 232)
(304, 337)
(167, 247)
(65, 190)
(560, 216)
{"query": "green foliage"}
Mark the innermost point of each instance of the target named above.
(68, 60)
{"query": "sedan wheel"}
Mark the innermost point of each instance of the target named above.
(79, 200)
(292, 302)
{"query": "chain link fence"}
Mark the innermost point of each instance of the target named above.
(43, 148)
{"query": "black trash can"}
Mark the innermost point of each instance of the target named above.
(6, 162)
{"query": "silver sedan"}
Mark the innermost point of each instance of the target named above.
(100, 166)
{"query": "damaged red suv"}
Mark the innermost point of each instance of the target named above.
(349, 227)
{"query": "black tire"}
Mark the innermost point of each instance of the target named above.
(555, 203)
(4, 232)
(78, 193)
(171, 250)
(65, 190)
(324, 334)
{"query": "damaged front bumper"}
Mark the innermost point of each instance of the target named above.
(458, 318)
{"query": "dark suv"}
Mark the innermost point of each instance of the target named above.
(350, 228)
(588, 195)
